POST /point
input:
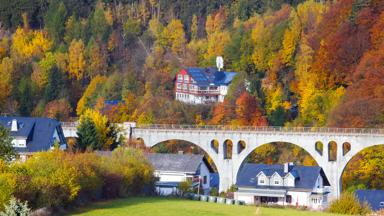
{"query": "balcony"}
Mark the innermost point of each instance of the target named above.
(322, 190)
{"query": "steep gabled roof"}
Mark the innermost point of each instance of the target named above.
(373, 197)
(210, 76)
(306, 176)
(175, 162)
(38, 132)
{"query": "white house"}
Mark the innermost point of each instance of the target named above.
(202, 85)
(33, 134)
(283, 185)
(171, 169)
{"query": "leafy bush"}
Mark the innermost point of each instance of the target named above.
(214, 192)
(185, 187)
(56, 179)
(349, 204)
(16, 208)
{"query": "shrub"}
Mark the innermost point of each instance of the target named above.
(49, 180)
(185, 187)
(349, 204)
(16, 208)
(214, 192)
(7, 188)
(56, 179)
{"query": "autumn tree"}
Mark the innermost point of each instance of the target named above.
(247, 111)
(107, 138)
(175, 36)
(6, 73)
(58, 109)
(89, 97)
(97, 58)
(76, 59)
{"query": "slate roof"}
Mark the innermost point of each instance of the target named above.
(306, 176)
(210, 76)
(373, 197)
(186, 163)
(38, 132)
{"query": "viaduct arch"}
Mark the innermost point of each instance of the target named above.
(353, 140)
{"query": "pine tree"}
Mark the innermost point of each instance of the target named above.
(6, 149)
(86, 136)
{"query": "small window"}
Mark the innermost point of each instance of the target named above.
(205, 180)
(186, 78)
(178, 86)
(185, 87)
(277, 182)
(180, 77)
(288, 198)
(262, 181)
(381, 204)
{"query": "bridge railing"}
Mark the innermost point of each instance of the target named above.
(266, 129)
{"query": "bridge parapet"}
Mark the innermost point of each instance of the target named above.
(316, 130)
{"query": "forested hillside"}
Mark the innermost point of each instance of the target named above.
(300, 63)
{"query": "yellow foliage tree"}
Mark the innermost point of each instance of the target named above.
(88, 98)
(76, 59)
(175, 36)
(217, 37)
(28, 44)
(6, 73)
(102, 127)
(291, 38)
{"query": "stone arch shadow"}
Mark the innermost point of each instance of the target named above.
(208, 157)
(242, 159)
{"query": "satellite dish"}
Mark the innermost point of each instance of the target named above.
(219, 62)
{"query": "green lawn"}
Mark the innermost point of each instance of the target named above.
(176, 207)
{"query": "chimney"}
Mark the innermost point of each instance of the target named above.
(286, 167)
(14, 127)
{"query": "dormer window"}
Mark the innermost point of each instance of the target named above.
(186, 79)
(262, 181)
(277, 182)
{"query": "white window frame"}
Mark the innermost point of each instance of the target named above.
(186, 78)
(178, 86)
(180, 78)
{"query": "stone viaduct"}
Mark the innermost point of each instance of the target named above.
(316, 141)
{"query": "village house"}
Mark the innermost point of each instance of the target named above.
(172, 169)
(286, 184)
(202, 85)
(33, 134)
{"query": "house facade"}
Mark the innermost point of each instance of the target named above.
(283, 185)
(172, 169)
(202, 85)
(33, 134)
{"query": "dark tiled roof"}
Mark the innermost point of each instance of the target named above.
(306, 176)
(208, 76)
(175, 162)
(373, 197)
(38, 131)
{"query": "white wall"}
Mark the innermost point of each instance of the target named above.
(19, 142)
(204, 171)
